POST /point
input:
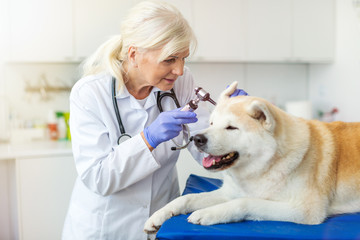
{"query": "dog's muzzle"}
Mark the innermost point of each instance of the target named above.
(212, 162)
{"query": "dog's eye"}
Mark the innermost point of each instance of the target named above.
(211, 123)
(231, 128)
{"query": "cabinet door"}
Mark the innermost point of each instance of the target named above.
(96, 21)
(268, 30)
(219, 28)
(186, 9)
(314, 30)
(41, 30)
(44, 188)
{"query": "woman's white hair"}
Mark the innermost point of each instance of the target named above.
(150, 25)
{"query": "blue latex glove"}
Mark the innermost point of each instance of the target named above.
(167, 126)
(238, 92)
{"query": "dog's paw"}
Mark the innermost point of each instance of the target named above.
(153, 224)
(204, 217)
(151, 228)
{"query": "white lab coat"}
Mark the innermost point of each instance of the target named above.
(120, 186)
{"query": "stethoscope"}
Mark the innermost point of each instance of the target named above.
(124, 136)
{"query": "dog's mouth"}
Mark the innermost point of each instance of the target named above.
(219, 162)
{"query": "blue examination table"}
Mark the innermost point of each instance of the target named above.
(340, 227)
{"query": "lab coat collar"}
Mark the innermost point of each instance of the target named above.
(123, 93)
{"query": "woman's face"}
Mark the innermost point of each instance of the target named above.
(162, 74)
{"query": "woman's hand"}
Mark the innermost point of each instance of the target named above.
(167, 126)
(238, 92)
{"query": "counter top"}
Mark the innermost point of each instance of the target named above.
(35, 149)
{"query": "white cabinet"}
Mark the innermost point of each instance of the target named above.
(219, 28)
(40, 30)
(264, 31)
(227, 31)
(268, 30)
(290, 30)
(96, 21)
(313, 30)
(44, 188)
(62, 30)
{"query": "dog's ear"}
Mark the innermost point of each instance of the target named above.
(228, 91)
(260, 111)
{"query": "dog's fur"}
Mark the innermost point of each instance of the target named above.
(286, 168)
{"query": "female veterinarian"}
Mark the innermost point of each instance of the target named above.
(121, 183)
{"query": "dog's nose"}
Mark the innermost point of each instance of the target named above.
(200, 140)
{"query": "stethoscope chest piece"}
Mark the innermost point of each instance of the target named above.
(123, 137)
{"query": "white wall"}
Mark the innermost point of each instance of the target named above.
(338, 84)
(27, 106)
(277, 83)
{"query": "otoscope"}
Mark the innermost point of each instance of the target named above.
(201, 95)
(192, 105)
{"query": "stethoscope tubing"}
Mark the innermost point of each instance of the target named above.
(185, 126)
(116, 107)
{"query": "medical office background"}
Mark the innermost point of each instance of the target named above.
(302, 51)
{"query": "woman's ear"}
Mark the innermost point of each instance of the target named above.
(132, 54)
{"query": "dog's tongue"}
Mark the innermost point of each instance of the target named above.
(208, 161)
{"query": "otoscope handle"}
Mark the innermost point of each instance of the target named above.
(190, 106)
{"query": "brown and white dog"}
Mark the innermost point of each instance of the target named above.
(276, 167)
